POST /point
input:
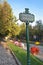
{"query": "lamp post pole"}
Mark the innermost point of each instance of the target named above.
(27, 38)
(27, 41)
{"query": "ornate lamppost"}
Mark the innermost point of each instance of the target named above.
(27, 17)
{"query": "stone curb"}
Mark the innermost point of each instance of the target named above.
(16, 59)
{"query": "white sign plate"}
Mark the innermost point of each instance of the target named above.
(26, 17)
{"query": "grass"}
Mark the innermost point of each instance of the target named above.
(22, 55)
(35, 61)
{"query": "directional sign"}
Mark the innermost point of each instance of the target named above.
(26, 17)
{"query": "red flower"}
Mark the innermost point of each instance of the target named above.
(34, 50)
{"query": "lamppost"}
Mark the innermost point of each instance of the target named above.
(27, 17)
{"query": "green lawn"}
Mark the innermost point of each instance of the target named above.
(22, 55)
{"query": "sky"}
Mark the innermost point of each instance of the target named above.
(35, 7)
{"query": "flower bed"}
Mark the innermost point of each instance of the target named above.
(22, 55)
(18, 43)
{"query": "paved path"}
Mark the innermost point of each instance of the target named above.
(6, 58)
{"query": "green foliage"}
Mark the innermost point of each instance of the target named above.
(15, 29)
(5, 18)
(22, 31)
(38, 30)
(22, 34)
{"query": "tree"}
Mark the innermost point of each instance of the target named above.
(6, 17)
(31, 33)
(38, 30)
(22, 34)
(15, 29)
(7, 21)
(0, 12)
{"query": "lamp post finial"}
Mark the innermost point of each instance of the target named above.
(26, 10)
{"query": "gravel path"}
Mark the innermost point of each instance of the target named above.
(6, 58)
